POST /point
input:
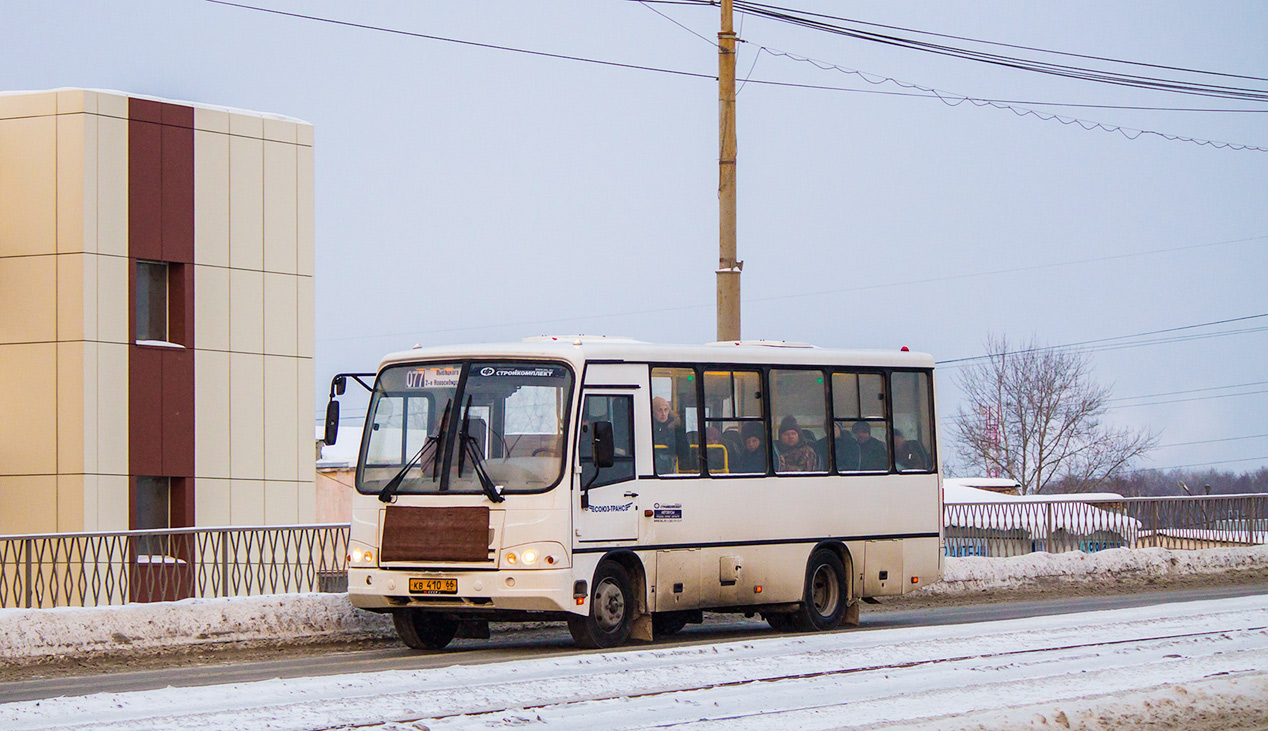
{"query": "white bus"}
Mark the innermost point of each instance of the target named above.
(626, 487)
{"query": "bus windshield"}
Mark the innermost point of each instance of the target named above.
(512, 415)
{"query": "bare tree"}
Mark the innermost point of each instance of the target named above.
(1035, 414)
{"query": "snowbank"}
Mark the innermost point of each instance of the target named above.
(40, 634)
(35, 634)
(1133, 566)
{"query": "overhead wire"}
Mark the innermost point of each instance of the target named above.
(476, 44)
(1211, 441)
(1196, 464)
(1192, 390)
(1087, 125)
(845, 290)
(991, 43)
(1082, 343)
(953, 99)
(1186, 400)
(1151, 83)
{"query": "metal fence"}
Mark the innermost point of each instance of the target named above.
(93, 569)
(1012, 527)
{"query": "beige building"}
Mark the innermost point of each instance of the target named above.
(156, 305)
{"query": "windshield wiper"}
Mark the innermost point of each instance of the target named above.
(389, 490)
(470, 445)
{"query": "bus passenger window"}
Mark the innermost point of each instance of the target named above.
(674, 421)
(913, 420)
(734, 435)
(799, 415)
(619, 411)
(860, 432)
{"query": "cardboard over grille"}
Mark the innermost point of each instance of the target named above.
(435, 534)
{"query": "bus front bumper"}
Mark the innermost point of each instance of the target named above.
(535, 590)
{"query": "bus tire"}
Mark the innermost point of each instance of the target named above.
(665, 624)
(424, 630)
(826, 595)
(612, 607)
(779, 622)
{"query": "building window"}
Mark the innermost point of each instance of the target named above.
(151, 301)
(153, 512)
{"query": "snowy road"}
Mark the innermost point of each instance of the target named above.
(1099, 663)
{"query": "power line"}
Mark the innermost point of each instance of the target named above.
(844, 290)
(1186, 400)
(1128, 133)
(1192, 390)
(1211, 441)
(1197, 464)
(1022, 64)
(994, 43)
(645, 4)
(1110, 339)
(511, 49)
(953, 99)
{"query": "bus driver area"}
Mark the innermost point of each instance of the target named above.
(626, 487)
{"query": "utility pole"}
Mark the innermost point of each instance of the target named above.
(728, 267)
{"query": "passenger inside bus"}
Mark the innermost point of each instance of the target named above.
(795, 454)
(847, 449)
(873, 456)
(751, 455)
(668, 437)
(909, 454)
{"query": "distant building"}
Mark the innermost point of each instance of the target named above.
(982, 522)
(1000, 485)
(156, 314)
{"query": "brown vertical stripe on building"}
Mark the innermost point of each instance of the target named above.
(161, 228)
(178, 194)
(145, 190)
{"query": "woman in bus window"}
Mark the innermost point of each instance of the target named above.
(669, 436)
(795, 455)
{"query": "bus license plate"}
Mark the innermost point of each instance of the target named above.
(433, 586)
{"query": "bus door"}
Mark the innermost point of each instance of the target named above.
(605, 500)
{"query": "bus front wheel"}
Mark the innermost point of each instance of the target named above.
(826, 595)
(424, 630)
(611, 609)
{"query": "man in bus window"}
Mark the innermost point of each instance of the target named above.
(847, 449)
(873, 456)
(668, 434)
(795, 455)
(909, 454)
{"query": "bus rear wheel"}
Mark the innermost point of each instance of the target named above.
(826, 595)
(424, 630)
(611, 610)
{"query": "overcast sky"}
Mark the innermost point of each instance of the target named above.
(471, 195)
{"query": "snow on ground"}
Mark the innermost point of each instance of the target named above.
(32, 634)
(27, 635)
(1115, 667)
(1130, 565)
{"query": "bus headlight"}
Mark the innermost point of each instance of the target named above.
(535, 556)
(360, 556)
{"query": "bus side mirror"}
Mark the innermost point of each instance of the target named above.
(604, 445)
(338, 385)
(332, 422)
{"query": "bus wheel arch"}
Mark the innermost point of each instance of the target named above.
(828, 597)
(618, 604)
(853, 581)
